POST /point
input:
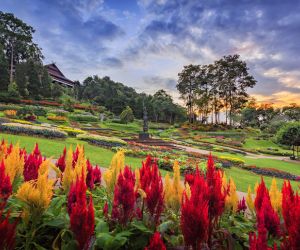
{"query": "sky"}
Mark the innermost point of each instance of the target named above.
(145, 43)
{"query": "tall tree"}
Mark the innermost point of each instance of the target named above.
(4, 77)
(188, 84)
(16, 37)
(234, 79)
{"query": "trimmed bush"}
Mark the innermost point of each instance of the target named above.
(102, 140)
(57, 118)
(18, 128)
(71, 131)
(83, 118)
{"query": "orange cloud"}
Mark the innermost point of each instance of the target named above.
(279, 99)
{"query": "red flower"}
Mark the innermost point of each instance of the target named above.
(82, 218)
(151, 183)
(124, 197)
(262, 191)
(5, 184)
(260, 242)
(189, 178)
(75, 157)
(156, 243)
(194, 214)
(7, 232)
(105, 209)
(93, 175)
(288, 199)
(32, 164)
(242, 206)
(61, 162)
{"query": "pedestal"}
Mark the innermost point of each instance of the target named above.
(144, 136)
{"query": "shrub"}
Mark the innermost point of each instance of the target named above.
(18, 128)
(69, 105)
(57, 118)
(83, 118)
(71, 131)
(58, 112)
(10, 113)
(102, 140)
(24, 112)
(127, 115)
(235, 161)
(9, 106)
(39, 111)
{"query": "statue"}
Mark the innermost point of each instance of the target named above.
(144, 135)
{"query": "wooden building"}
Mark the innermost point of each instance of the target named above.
(58, 77)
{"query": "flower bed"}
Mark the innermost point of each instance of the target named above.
(83, 118)
(57, 118)
(11, 113)
(71, 131)
(103, 141)
(18, 128)
(136, 209)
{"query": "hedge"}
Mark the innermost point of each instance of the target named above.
(100, 140)
(18, 128)
(83, 118)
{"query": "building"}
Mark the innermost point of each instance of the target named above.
(58, 77)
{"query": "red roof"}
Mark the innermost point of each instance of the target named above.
(57, 75)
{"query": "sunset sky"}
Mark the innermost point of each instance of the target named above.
(145, 43)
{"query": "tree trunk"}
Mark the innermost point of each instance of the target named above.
(11, 78)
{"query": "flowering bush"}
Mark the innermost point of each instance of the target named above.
(135, 209)
(102, 140)
(71, 131)
(10, 113)
(18, 128)
(57, 118)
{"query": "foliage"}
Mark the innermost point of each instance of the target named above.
(127, 115)
(71, 131)
(18, 128)
(102, 140)
(10, 113)
(57, 118)
(13, 90)
(83, 118)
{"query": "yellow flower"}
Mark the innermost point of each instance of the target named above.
(3, 150)
(249, 200)
(275, 196)
(137, 178)
(14, 163)
(231, 201)
(142, 193)
(111, 174)
(173, 189)
(68, 174)
(37, 194)
(256, 187)
(80, 167)
(188, 190)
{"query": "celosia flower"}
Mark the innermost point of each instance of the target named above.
(261, 192)
(37, 193)
(275, 196)
(14, 163)
(156, 243)
(5, 184)
(116, 166)
(82, 218)
(260, 242)
(151, 183)
(93, 175)
(267, 217)
(194, 214)
(249, 200)
(80, 166)
(241, 208)
(68, 175)
(61, 162)
(124, 197)
(288, 202)
(189, 178)
(7, 232)
(105, 209)
(32, 164)
(231, 201)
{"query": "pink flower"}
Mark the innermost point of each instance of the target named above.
(156, 243)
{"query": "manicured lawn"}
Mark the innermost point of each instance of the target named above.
(243, 179)
(251, 143)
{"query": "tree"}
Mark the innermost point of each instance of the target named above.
(16, 38)
(188, 84)
(4, 76)
(234, 79)
(127, 115)
(292, 111)
(13, 90)
(289, 135)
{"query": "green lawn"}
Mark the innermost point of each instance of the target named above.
(251, 143)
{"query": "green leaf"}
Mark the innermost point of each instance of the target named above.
(102, 227)
(163, 227)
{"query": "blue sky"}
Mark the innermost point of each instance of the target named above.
(145, 43)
